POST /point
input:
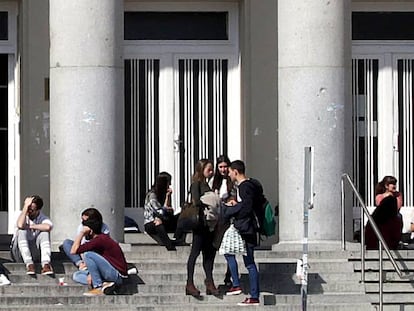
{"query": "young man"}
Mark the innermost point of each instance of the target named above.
(103, 256)
(33, 235)
(89, 213)
(249, 194)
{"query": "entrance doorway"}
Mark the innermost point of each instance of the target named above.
(383, 128)
(180, 89)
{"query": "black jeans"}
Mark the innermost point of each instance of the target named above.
(159, 234)
(202, 242)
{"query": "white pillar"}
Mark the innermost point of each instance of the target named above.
(314, 70)
(86, 113)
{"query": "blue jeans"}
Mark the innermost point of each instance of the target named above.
(81, 277)
(252, 269)
(234, 269)
(100, 270)
(75, 258)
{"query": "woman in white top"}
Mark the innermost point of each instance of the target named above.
(224, 187)
(221, 182)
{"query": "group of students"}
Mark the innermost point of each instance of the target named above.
(100, 260)
(238, 194)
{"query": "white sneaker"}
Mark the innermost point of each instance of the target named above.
(4, 280)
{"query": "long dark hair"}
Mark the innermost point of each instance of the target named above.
(199, 170)
(218, 178)
(160, 186)
(380, 187)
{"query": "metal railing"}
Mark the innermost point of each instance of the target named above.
(381, 242)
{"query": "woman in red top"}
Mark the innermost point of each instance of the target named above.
(386, 187)
(386, 216)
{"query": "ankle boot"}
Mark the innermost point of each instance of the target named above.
(190, 289)
(211, 289)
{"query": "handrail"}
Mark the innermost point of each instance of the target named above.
(381, 241)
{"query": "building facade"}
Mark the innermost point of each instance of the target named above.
(100, 95)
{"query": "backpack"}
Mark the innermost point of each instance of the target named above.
(264, 215)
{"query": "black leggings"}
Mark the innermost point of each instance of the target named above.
(159, 234)
(202, 242)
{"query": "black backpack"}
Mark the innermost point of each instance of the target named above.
(264, 222)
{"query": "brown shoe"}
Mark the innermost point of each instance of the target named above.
(47, 269)
(190, 289)
(30, 269)
(211, 289)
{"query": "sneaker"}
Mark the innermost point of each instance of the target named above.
(4, 280)
(47, 269)
(82, 266)
(249, 302)
(94, 292)
(30, 269)
(108, 288)
(234, 291)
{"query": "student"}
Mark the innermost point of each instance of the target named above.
(89, 213)
(103, 256)
(386, 215)
(224, 187)
(158, 210)
(202, 236)
(250, 194)
(33, 235)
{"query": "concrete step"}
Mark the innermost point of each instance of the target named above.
(403, 254)
(387, 266)
(393, 298)
(389, 276)
(390, 287)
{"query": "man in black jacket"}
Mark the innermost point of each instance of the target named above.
(249, 193)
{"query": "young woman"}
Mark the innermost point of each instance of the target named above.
(158, 209)
(387, 187)
(202, 236)
(224, 187)
(386, 215)
(221, 182)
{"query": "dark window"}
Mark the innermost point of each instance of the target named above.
(383, 25)
(4, 29)
(175, 26)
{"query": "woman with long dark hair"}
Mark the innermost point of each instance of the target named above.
(221, 184)
(158, 209)
(386, 215)
(202, 236)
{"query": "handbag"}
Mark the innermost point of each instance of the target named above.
(232, 243)
(189, 217)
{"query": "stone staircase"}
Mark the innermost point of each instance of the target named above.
(159, 285)
(398, 293)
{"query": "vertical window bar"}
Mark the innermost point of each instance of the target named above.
(409, 133)
(370, 125)
(135, 137)
(406, 166)
(355, 114)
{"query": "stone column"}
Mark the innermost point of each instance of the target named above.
(314, 69)
(86, 114)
